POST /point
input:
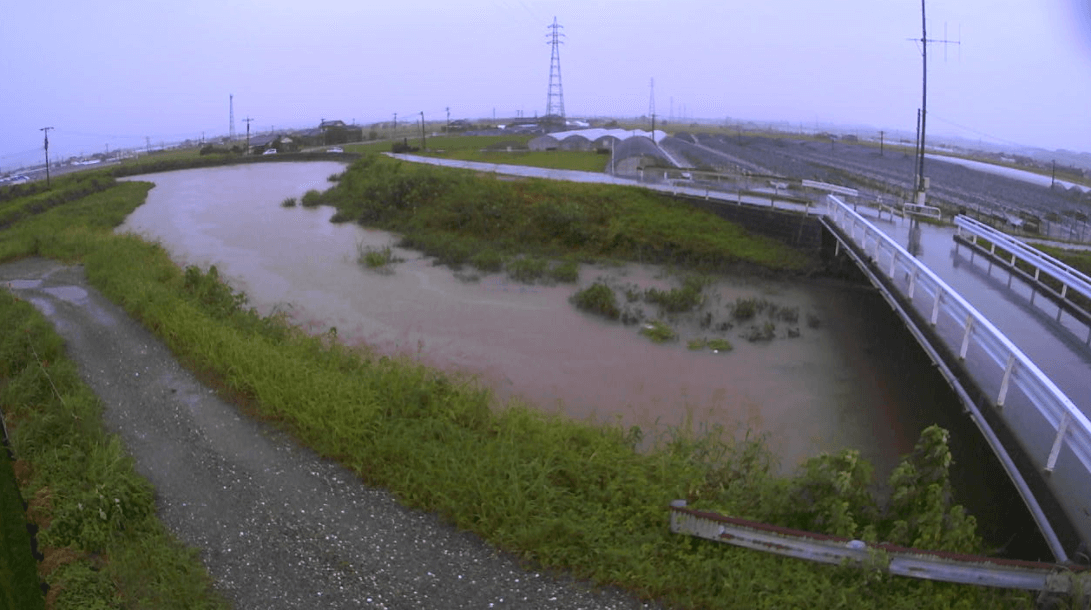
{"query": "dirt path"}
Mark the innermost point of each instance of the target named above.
(277, 526)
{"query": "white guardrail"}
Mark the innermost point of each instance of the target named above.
(1068, 277)
(1070, 427)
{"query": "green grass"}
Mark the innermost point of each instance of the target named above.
(18, 571)
(688, 297)
(598, 298)
(376, 258)
(658, 331)
(102, 532)
(453, 214)
(560, 494)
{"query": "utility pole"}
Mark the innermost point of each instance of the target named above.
(448, 129)
(881, 135)
(651, 108)
(231, 115)
(1053, 179)
(395, 124)
(247, 120)
(924, 40)
(423, 142)
(45, 130)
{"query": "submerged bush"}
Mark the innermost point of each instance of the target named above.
(288, 202)
(677, 300)
(658, 331)
(598, 298)
(488, 260)
(312, 198)
(527, 269)
(566, 271)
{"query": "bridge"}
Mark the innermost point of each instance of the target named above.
(1041, 437)
(968, 295)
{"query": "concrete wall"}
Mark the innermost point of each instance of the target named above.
(792, 228)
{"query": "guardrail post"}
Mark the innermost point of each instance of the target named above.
(893, 264)
(913, 282)
(1051, 463)
(935, 305)
(1008, 370)
(966, 337)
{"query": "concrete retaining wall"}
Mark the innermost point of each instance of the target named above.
(793, 228)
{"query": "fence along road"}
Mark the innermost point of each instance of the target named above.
(1050, 430)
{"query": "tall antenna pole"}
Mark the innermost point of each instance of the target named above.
(231, 115)
(395, 124)
(448, 130)
(46, 131)
(555, 94)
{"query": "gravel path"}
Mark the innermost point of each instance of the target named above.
(277, 526)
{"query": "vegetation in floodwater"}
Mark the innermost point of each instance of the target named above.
(527, 269)
(377, 258)
(567, 271)
(745, 308)
(766, 331)
(561, 494)
(488, 260)
(598, 298)
(312, 199)
(658, 331)
(289, 202)
(719, 345)
(678, 300)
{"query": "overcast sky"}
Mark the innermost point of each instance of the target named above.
(114, 72)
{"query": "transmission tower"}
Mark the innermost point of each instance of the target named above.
(231, 115)
(555, 95)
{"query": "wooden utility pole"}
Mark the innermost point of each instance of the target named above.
(46, 131)
(423, 142)
(924, 40)
(881, 135)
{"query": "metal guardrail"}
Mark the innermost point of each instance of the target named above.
(1069, 277)
(918, 209)
(1069, 427)
(900, 561)
(832, 188)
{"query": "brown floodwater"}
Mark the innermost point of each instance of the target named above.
(838, 385)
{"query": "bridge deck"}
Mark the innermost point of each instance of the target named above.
(1054, 345)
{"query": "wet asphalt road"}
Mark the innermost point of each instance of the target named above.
(277, 526)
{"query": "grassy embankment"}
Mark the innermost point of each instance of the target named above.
(102, 544)
(494, 149)
(559, 493)
(461, 218)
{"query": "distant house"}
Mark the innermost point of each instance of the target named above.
(337, 132)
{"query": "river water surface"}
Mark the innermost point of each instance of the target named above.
(851, 382)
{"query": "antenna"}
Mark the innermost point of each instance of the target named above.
(555, 94)
(925, 40)
(231, 115)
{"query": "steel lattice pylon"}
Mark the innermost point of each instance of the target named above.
(555, 95)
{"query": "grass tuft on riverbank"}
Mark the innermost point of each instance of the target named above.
(560, 493)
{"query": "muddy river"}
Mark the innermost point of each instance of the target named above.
(851, 380)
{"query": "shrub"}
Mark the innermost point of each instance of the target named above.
(567, 271)
(488, 260)
(658, 331)
(288, 202)
(597, 298)
(678, 300)
(527, 269)
(312, 198)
